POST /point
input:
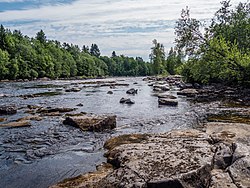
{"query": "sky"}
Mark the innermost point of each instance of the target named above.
(125, 26)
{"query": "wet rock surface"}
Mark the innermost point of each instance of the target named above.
(21, 123)
(132, 91)
(126, 101)
(91, 122)
(167, 101)
(8, 109)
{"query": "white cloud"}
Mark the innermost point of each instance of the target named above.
(126, 26)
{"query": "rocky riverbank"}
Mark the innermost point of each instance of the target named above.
(216, 154)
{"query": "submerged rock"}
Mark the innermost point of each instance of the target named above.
(8, 109)
(90, 122)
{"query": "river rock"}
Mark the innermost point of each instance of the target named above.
(35, 118)
(90, 122)
(33, 106)
(16, 124)
(161, 88)
(167, 101)
(188, 92)
(166, 96)
(74, 89)
(110, 92)
(50, 110)
(80, 104)
(9, 109)
(132, 91)
(2, 119)
(126, 101)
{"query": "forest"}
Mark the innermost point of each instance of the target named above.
(214, 52)
(22, 57)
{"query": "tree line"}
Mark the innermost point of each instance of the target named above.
(22, 57)
(218, 52)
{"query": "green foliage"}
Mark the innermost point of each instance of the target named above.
(174, 60)
(222, 53)
(157, 58)
(24, 57)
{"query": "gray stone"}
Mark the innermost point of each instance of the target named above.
(188, 92)
(90, 122)
(8, 109)
(132, 91)
(126, 101)
(166, 101)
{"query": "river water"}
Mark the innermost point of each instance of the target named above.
(48, 151)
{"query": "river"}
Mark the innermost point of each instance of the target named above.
(48, 151)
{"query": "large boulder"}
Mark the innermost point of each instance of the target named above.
(91, 122)
(8, 109)
(233, 151)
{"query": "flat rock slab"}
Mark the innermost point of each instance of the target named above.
(167, 101)
(166, 96)
(90, 122)
(188, 92)
(178, 158)
(16, 124)
(52, 110)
